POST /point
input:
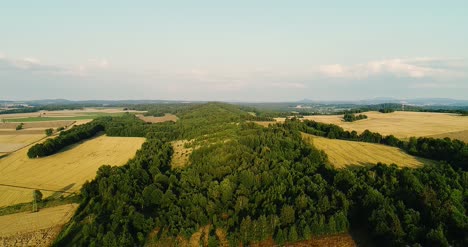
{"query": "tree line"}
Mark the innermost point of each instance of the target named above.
(66, 138)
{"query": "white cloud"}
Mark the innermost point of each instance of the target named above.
(98, 63)
(35, 65)
(288, 85)
(406, 68)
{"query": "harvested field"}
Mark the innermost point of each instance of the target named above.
(34, 229)
(402, 124)
(68, 113)
(12, 142)
(64, 171)
(460, 135)
(36, 125)
(151, 119)
(181, 155)
(342, 153)
(46, 119)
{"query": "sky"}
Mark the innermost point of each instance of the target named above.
(233, 50)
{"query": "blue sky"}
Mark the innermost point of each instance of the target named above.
(233, 50)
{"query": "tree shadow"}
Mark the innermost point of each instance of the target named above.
(72, 146)
(63, 191)
(361, 237)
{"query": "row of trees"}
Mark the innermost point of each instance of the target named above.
(386, 110)
(66, 138)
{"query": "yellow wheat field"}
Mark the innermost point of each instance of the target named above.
(10, 143)
(460, 135)
(64, 171)
(402, 124)
(348, 153)
(34, 229)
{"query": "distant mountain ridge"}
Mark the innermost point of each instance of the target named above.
(382, 100)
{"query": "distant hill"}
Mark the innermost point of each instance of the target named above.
(382, 100)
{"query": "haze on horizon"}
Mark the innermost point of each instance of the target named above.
(233, 50)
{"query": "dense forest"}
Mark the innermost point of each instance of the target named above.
(250, 184)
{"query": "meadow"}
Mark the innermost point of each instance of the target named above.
(180, 157)
(403, 124)
(343, 153)
(151, 119)
(65, 171)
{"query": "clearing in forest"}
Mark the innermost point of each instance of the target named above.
(34, 229)
(264, 123)
(343, 153)
(180, 157)
(64, 172)
(150, 119)
(403, 124)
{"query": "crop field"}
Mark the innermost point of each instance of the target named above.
(48, 119)
(10, 143)
(460, 135)
(343, 153)
(404, 124)
(34, 229)
(70, 115)
(151, 119)
(64, 172)
(35, 125)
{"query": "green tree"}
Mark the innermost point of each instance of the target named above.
(49, 132)
(293, 236)
(20, 126)
(287, 215)
(37, 195)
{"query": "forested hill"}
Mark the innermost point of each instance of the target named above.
(247, 184)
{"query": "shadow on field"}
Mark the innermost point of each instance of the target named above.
(63, 191)
(70, 147)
